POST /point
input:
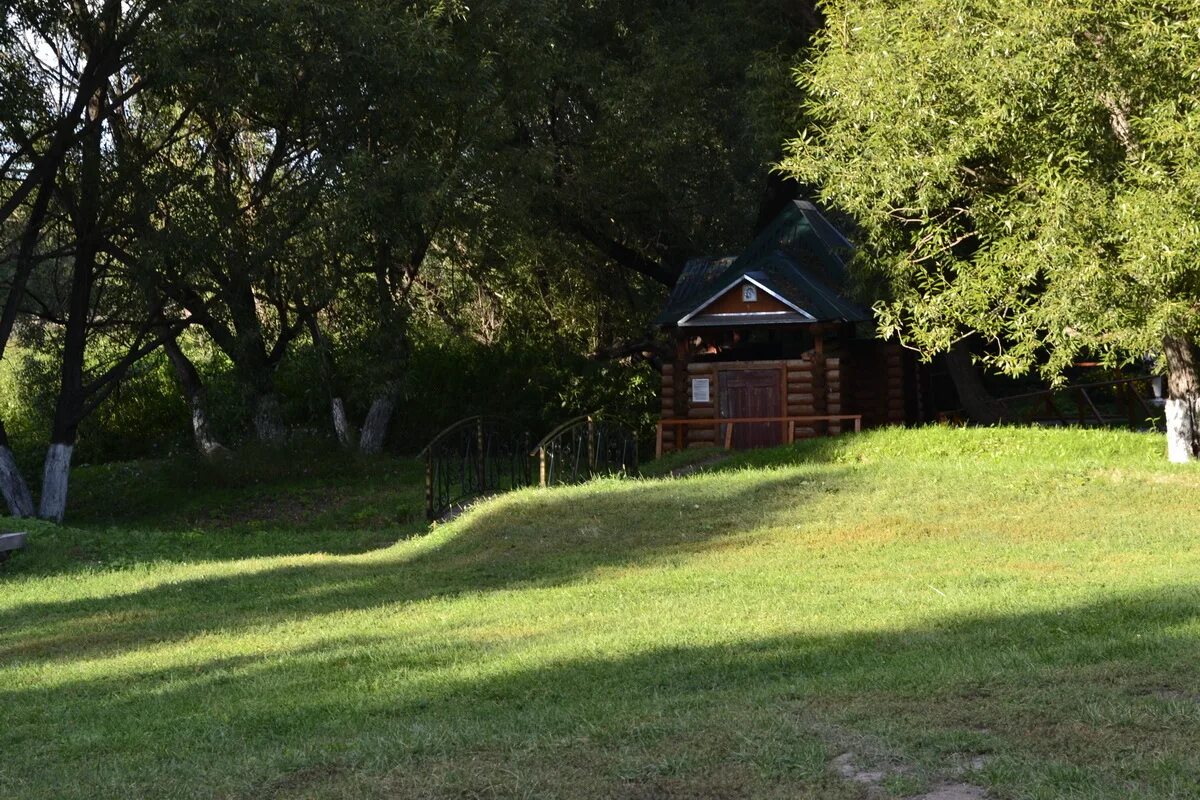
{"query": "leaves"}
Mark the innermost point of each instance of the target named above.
(1024, 169)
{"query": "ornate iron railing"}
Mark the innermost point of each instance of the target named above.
(583, 448)
(475, 456)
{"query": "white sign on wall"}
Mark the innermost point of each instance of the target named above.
(700, 390)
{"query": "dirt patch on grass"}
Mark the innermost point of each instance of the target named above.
(955, 791)
(679, 789)
(849, 767)
(308, 782)
(875, 779)
(1171, 695)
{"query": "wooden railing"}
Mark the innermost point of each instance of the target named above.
(1137, 411)
(717, 422)
(1043, 406)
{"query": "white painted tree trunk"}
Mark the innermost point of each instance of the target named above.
(1183, 399)
(55, 476)
(341, 424)
(268, 420)
(1183, 428)
(13, 487)
(196, 396)
(375, 427)
(206, 443)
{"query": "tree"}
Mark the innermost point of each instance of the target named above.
(1022, 169)
(88, 155)
(357, 173)
(646, 131)
(66, 80)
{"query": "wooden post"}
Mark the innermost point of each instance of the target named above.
(683, 396)
(482, 455)
(1095, 411)
(1127, 394)
(429, 484)
(858, 424)
(591, 444)
(1052, 408)
(658, 443)
(728, 435)
(526, 477)
(791, 431)
(820, 381)
(542, 467)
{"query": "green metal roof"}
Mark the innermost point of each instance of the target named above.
(800, 256)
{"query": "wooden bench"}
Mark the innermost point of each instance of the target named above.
(11, 543)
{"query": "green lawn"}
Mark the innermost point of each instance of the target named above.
(1017, 610)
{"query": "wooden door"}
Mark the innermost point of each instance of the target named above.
(753, 393)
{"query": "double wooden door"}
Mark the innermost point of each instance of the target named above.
(753, 393)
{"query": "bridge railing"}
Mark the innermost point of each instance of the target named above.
(476, 456)
(585, 447)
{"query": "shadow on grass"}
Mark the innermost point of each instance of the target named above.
(257, 488)
(187, 510)
(533, 538)
(1080, 701)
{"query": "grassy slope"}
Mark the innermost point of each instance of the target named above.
(919, 598)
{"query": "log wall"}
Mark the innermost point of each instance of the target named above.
(877, 386)
(809, 386)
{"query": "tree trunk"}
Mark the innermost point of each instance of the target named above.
(337, 408)
(54, 482)
(12, 483)
(375, 427)
(72, 393)
(1183, 399)
(341, 424)
(196, 396)
(979, 404)
(268, 419)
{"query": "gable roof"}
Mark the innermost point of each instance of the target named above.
(792, 312)
(798, 258)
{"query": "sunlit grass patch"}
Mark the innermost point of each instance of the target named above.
(924, 599)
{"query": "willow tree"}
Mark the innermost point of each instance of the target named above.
(1024, 169)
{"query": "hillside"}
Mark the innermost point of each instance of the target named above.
(886, 615)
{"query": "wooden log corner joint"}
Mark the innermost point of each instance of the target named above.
(769, 348)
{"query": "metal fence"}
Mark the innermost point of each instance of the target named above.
(584, 448)
(474, 457)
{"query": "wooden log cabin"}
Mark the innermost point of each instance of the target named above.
(769, 348)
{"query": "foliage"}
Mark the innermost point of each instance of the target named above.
(1024, 169)
(902, 595)
(144, 418)
(367, 201)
